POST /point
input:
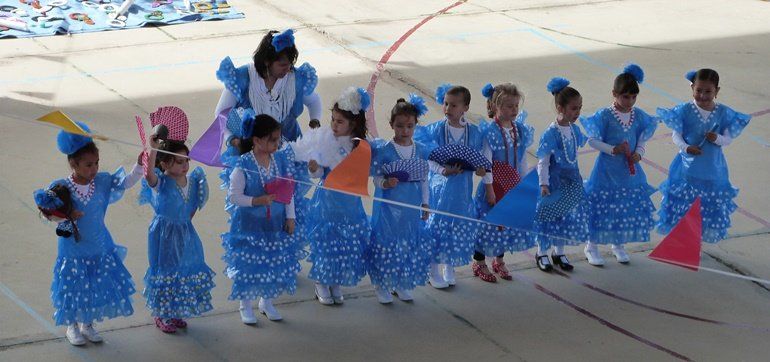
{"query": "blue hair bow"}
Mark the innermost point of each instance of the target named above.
(419, 104)
(247, 123)
(441, 92)
(283, 40)
(691, 75)
(69, 143)
(365, 99)
(557, 84)
(488, 91)
(635, 71)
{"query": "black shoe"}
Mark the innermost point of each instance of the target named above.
(543, 263)
(562, 262)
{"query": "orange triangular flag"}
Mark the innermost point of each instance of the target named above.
(682, 245)
(352, 174)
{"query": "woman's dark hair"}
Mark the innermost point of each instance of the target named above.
(563, 97)
(625, 83)
(459, 90)
(266, 54)
(707, 75)
(357, 121)
(169, 146)
(404, 108)
(88, 148)
(63, 193)
(264, 125)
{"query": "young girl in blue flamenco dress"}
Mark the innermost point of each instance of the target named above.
(398, 258)
(451, 187)
(338, 227)
(505, 142)
(701, 128)
(621, 210)
(562, 209)
(178, 282)
(90, 282)
(262, 251)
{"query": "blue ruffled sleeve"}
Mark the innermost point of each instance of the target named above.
(647, 124)
(427, 135)
(116, 184)
(547, 143)
(526, 131)
(236, 80)
(198, 177)
(595, 124)
(734, 121)
(673, 117)
(146, 194)
(306, 79)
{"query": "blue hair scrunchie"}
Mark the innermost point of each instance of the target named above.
(283, 40)
(691, 75)
(247, 123)
(418, 103)
(557, 84)
(365, 99)
(69, 143)
(635, 71)
(441, 92)
(488, 91)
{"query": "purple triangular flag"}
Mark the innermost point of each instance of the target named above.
(209, 146)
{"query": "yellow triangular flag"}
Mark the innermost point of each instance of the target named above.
(58, 118)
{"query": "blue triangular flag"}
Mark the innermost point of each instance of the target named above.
(517, 208)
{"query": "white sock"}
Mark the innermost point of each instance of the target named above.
(558, 250)
(590, 245)
(245, 303)
(541, 250)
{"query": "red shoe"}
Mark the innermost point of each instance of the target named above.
(481, 271)
(501, 270)
(179, 323)
(165, 328)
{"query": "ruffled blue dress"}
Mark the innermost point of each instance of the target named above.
(178, 282)
(492, 240)
(562, 217)
(705, 176)
(262, 259)
(90, 282)
(399, 253)
(621, 210)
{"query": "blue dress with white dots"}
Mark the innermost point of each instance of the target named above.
(620, 206)
(178, 282)
(399, 253)
(90, 282)
(493, 240)
(455, 238)
(562, 217)
(705, 176)
(262, 259)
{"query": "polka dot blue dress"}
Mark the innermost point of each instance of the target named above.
(621, 210)
(178, 282)
(562, 217)
(90, 282)
(705, 176)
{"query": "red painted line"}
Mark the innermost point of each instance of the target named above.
(372, 125)
(601, 320)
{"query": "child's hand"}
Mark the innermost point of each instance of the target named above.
(139, 159)
(544, 191)
(635, 157)
(154, 141)
(312, 166)
(481, 172)
(425, 214)
(711, 137)
(235, 142)
(452, 170)
(491, 198)
(620, 149)
(289, 226)
(390, 183)
(76, 214)
(264, 200)
(694, 150)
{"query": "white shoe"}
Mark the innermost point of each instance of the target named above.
(404, 295)
(593, 256)
(435, 277)
(88, 331)
(449, 274)
(266, 307)
(620, 254)
(247, 314)
(74, 336)
(323, 294)
(337, 294)
(383, 295)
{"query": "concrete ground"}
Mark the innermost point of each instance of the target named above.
(643, 311)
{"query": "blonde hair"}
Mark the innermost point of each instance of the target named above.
(504, 91)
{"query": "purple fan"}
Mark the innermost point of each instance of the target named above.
(456, 154)
(411, 170)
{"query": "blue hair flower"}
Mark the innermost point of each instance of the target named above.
(365, 99)
(635, 71)
(47, 199)
(419, 104)
(283, 40)
(556, 84)
(691, 75)
(69, 143)
(488, 91)
(441, 92)
(247, 123)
